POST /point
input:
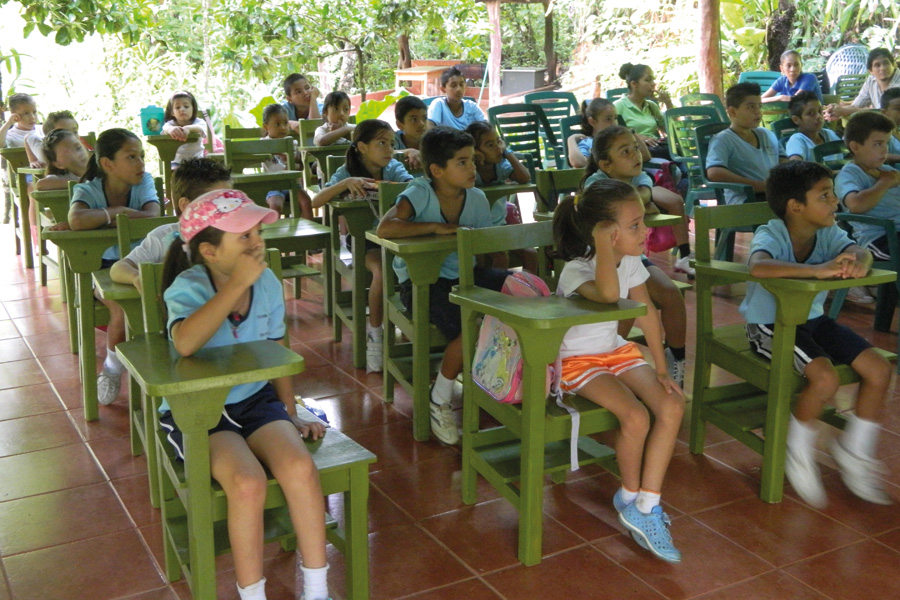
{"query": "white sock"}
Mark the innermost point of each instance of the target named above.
(443, 390)
(861, 436)
(801, 437)
(375, 334)
(646, 500)
(627, 495)
(315, 583)
(254, 591)
(112, 364)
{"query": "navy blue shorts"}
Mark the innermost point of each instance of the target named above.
(822, 336)
(243, 418)
(442, 313)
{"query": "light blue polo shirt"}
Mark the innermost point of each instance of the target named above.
(773, 238)
(800, 145)
(853, 179)
(728, 150)
(440, 114)
(264, 321)
(394, 171)
(640, 180)
(91, 193)
(585, 145)
(476, 213)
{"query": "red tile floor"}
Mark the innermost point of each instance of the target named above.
(75, 521)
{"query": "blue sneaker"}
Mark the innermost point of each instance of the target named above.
(653, 529)
(620, 506)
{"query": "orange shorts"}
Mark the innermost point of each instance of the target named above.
(578, 370)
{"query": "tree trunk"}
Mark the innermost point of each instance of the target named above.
(710, 48)
(348, 70)
(778, 32)
(404, 61)
(493, 8)
(549, 47)
(361, 60)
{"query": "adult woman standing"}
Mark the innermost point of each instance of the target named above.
(640, 108)
(883, 74)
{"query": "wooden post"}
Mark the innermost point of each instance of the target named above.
(710, 48)
(493, 8)
(549, 47)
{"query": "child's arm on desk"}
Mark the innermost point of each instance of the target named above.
(853, 263)
(396, 223)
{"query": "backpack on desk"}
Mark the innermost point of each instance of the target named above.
(497, 367)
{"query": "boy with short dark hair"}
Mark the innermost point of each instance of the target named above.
(301, 99)
(453, 110)
(805, 242)
(745, 152)
(806, 113)
(412, 121)
(21, 122)
(890, 107)
(439, 203)
(866, 185)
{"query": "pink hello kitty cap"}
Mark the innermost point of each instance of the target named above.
(229, 210)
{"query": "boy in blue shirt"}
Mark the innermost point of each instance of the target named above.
(866, 185)
(745, 152)
(804, 242)
(890, 107)
(439, 203)
(806, 113)
(412, 121)
(453, 110)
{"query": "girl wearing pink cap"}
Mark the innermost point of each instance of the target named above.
(218, 291)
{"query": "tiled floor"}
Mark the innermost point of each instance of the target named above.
(75, 521)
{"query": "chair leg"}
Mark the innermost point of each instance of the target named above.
(356, 528)
(884, 309)
(421, 371)
(87, 356)
(778, 411)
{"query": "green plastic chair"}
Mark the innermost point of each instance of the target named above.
(533, 438)
(783, 130)
(833, 155)
(557, 106)
(765, 79)
(755, 411)
(17, 159)
(703, 99)
(680, 125)
(568, 126)
(526, 130)
(847, 86)
(616, 93)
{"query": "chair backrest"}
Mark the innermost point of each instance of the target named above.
(240, 154)
(784, 129)
(765, 79)
(833, 155)
(680, 125)
(847, 86)
(152, 305)
(702, 99)
(822, 78)
(472, 242)
(846, 60)
(16, 159)
(711, 218)
(308, 130)
(243, 133)
(134, 230)
(774, 111)
(553, 183)
(525, 129)
(557, 106)
(387, 195)
(702, 135)
(616, 93)
(332, 164)
(57, 201)
(568, 127)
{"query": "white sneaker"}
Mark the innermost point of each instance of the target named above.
(108, 386)
(374, 355)
(443, 423)
(683, 265)
(859, 295)
(675, 367)
(803, 473)
(860, 474)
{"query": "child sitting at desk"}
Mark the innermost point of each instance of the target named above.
(114, 183)
(336, 129)
(301, 100)
(805, 242)
(792, 81)
(62, 119)
(275, 124)
(412, 121)
(445, 199)
(181, 120)
(806, 113)
(453, 110)
(21, 123)
(745, 152)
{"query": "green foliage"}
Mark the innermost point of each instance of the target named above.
(372, 109)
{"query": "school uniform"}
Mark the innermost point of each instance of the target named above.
(728, 150)
(872, 237)
(440, 114)
(800, 145)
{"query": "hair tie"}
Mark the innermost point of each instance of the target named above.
(576, 199)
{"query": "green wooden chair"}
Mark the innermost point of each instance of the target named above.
(166, 147)
(552, 186)
(680, 125)
(724, 237)
(332, 164)
(556, 106)
(847, 86)
(774, 111)
(702, 99)
(51, 207)
(194, 507)
(17, 159)
(243, 133)
(241, 154)
(616, 93)
(526, 130)
(532, 439)
(756, 410)
(765, 79)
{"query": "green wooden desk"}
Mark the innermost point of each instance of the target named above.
(301, 236)
(349, 307)
(51, 207)
(195, 388)
(84, 251)
(494, 192)
(258, 185)
(311, 152)
(410, 364)
(167, 147)
(16, 161)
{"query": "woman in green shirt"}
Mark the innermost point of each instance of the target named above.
(640, 108)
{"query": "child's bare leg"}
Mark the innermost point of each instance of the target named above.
(634, 423)
(875, 375)
(115, 329)
(821, 385)
(243, 479)
(376, 310)
(529, 259)
(280, 447)
(452, 364)
(276, 203)
(305, 203)
(673, 204)
(668, 410)
(670, 302)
